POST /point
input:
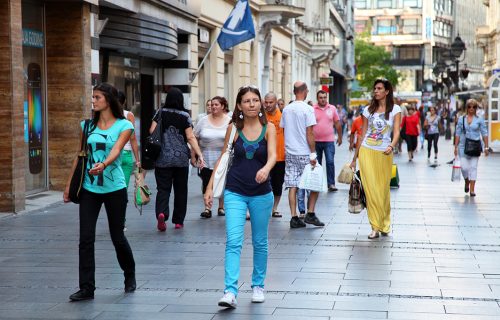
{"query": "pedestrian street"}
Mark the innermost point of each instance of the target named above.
(441, 260)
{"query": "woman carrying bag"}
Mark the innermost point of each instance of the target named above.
(248, 187)
(172, 165)
(470, 128)
(104, 183)
(375, 154)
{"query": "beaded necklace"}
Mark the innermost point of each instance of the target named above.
(252, 146)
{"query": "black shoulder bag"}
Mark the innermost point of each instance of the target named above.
(472, 148)
(152, 145)
(76, 183)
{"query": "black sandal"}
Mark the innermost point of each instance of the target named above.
(276, 214)
(221, 212)
(466, 188)
(206, 214)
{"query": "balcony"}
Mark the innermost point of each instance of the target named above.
(283, 8)
(323, 37)
(482, 35)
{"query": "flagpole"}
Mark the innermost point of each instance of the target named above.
(193, 76)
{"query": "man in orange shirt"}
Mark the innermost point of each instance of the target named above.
(277, 174)
(356, 130)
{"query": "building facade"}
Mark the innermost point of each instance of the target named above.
(488, 38)
(56, 50)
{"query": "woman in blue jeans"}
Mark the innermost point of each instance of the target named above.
(248, 187)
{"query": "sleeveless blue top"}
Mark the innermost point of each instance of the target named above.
(249, 157)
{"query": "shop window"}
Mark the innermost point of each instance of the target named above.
(35, 109)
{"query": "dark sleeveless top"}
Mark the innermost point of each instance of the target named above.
(249, 157)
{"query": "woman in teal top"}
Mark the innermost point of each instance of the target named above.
(104, 184)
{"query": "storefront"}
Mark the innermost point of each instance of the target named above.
(35, 106)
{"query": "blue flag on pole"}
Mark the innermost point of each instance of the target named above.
(238, 26)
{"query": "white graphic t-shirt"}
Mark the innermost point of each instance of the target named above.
(378, 134)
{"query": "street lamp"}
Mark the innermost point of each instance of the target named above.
(457, 48)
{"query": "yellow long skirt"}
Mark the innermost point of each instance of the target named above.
(375, 168)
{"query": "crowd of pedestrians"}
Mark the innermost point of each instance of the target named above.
(272, 145)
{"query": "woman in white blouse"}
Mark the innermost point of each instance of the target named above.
(210, 132)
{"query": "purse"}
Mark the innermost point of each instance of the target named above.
(75, 186)
(142, 191)
(356, 202)
(346, 174)
(473, 148)
(152, 145)
(220, 174)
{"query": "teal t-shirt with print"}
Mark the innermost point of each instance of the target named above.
(99, 145)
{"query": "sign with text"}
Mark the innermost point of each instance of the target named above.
(326, 81)
(32, 38)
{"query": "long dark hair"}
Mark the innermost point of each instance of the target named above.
(174, 99)
(110, 93)
(239, 123)
(389, 99)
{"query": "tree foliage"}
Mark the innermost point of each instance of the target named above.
(373, 62)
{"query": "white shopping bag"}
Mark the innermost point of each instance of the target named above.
(313, 178)
(456, 170)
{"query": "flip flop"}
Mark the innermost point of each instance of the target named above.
(276, 214)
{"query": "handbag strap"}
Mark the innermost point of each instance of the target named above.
(85, 134)
(231, 138)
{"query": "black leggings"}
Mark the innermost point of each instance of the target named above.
(432, 139)
(411, 142)
(90, 205)
(205, 175)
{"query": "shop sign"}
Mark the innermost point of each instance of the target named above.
(326, 81)
(32, 38)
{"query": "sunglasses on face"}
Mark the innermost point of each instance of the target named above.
(474, 107)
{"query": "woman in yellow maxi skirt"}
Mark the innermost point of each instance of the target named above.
(380, 119)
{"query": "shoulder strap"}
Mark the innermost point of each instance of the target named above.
(85, 136)
(231, 137)
(463, 124)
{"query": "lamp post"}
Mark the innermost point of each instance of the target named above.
(457, 48)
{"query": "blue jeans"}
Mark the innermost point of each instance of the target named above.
(329, 149)
(260, 208)
(301, 199)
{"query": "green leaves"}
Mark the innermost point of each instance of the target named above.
(373, 62)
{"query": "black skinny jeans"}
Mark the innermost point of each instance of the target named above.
(115, 204)
(432, 139)
(165, 178)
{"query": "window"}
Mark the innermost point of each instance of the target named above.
(360, 4)
(360, 25)
(386, 26)
(442, 29)
(412, 4)
(384, 3)
(408, 52)
(411, 26)
(444, 6)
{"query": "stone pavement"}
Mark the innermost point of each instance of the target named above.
(442, 260)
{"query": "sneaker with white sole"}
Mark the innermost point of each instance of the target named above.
(228, 300)
(258, 295)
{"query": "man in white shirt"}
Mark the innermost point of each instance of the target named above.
(298, 120)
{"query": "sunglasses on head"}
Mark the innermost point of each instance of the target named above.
(251, 86)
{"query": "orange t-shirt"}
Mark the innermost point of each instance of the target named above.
(357, 126)
(280, 134)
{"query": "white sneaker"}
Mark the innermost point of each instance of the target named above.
(258, 294)
(228, 300)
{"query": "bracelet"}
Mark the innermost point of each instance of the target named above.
(104, 165)
(392, 148)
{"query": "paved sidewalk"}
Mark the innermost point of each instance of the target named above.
(442, 260)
